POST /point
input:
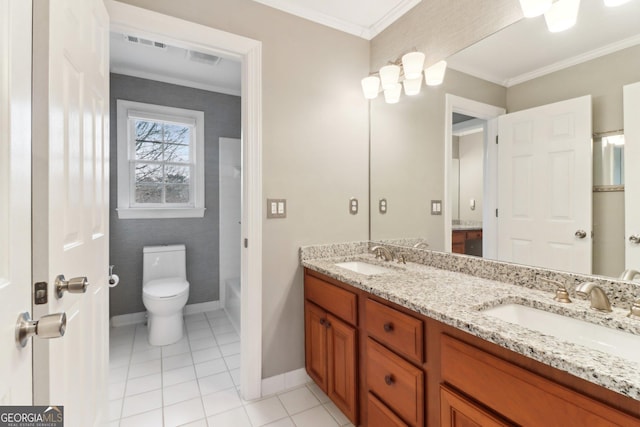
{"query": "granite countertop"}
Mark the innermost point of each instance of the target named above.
(457, 299)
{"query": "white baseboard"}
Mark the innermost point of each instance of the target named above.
(286, 381)
(135, 318)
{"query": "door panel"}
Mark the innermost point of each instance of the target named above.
(538, 218)
(315, 334)
(71, 201)
(632, 174)
(341, 350)
(15, 201)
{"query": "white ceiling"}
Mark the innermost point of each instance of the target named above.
(173, 65)
(526, 49)
(362, 18)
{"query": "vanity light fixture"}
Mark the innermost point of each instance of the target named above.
(405, 72)
(533, 8)
(562, 15)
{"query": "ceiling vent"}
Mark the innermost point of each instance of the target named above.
(203, 58)
(145, 42)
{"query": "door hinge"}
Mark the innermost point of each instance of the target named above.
(246, 243)
(496, 213)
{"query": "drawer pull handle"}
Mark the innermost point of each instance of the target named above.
(325, 323)
(388, 327)
(389, 380)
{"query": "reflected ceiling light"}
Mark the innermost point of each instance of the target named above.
(392, 93)
(562, 15)
(532, 8)
(389, 76)
(412, 64)
(614, 3)
(434, 75)
(371, 86)
(412, 86)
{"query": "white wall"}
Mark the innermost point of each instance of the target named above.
(471, 150)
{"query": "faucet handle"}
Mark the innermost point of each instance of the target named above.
(635, 309)
(562, 294)
(401, 259)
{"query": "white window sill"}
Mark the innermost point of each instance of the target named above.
(159, 213)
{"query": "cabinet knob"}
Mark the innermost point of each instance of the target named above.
(323, 321)
(389, 380)
(388, 327)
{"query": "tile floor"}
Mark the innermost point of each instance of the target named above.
(195, 382)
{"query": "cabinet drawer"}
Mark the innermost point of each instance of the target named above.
(396, 382)
(399, 331)
(335, 300)
(473, 235)
(378, 415)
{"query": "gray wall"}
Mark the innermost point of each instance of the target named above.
(128, 236)
(315, 149)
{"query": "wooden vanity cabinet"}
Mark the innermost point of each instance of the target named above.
(331, 342)
(466, 242)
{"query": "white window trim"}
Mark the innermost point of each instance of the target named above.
(127, 109)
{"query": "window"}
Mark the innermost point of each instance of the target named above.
(160, 161)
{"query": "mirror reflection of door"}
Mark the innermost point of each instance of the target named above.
(467, 177)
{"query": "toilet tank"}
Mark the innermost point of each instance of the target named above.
(163, 261)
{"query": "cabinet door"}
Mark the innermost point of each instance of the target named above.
(458, 411)
(380, 416)
(342, 388)
(315, 337)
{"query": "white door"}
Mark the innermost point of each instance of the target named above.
(15, 202)
(631, 95)
(70, 202)
(546, 221)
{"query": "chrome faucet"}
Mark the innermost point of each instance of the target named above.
(629, 274)
(599, 300)
(382, 252)
(421, 245)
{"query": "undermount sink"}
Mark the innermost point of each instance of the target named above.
(363, 267)
(612, 341)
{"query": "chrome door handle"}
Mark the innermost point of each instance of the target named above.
(49, 326)
(77, 285)
(635, 239)
(580, 234)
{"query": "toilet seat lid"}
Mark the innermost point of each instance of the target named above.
(166, 288)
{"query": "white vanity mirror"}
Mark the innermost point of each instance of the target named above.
(415, 163)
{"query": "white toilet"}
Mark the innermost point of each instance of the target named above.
(165, 291)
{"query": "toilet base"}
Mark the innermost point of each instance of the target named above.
(165, 329)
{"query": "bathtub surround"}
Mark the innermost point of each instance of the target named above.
(222, 119)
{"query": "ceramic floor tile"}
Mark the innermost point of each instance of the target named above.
(216, 314)
(143, 369)
(115, 409)
(143, 345)
(322, 397)
(233, 418)
(183, 412)
(178, 361)
(221, 401)
(180, 392)
(315, 417)
(233, 361)
(118, 361)
(118, 375)
(203, 343)
(230, 349)
(200, 334)
(146, 355)
(227, 338)
(285, 422)
(197, 317)
(116, 390)
(235, 376)
(215, 383)
(211, 367)
(224, 328)
(219, 321)
(140, 403)
(199, 423)
(336, 413)
(181, 347)
(298, 400)
(265, 411)
(177, 376)
(206, 354)
(196, 325)
(143, 384)
(146, 419)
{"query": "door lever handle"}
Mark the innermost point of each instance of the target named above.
(49, 326)
(77, 285)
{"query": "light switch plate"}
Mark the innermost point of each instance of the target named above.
(276, 208)
(436, 207)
